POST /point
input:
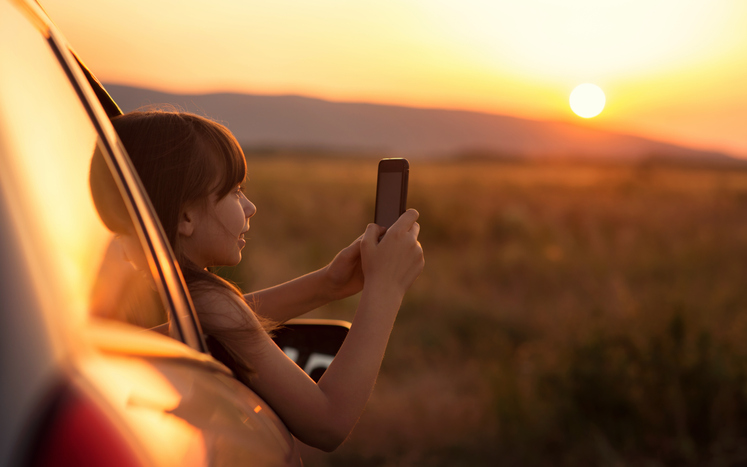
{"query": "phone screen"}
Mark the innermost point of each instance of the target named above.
(388, 195)
(391, 190)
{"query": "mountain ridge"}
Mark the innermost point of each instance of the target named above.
(291, 121)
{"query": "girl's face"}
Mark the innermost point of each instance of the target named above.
(213, 234)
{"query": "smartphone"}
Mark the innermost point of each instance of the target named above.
(391, 190)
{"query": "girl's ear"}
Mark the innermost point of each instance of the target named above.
(186, 224)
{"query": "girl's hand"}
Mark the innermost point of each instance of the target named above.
(393, 263)
(323, 414)
(344, 276)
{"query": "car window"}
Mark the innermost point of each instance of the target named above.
(67, 205)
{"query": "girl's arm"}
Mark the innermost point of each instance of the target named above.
(322, 415)
(341, 278)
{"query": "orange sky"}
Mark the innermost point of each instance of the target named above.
(674, 70)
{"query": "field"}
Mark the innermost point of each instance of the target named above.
(568, 314)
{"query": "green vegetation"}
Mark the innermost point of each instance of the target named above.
(568, 314)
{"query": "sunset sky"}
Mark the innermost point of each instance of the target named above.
(673, 70)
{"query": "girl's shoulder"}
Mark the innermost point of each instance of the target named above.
(218, 308)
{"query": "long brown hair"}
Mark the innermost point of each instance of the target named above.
(181, 159)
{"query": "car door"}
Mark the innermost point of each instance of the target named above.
(92, 275)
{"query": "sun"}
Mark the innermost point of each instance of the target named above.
(587, 100)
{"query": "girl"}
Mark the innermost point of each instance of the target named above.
(192, 169)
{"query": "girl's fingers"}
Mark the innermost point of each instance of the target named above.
(405, 221)
(355, 247)
(372, 234)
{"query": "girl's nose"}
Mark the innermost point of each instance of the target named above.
(249, 208)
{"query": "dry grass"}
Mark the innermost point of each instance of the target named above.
(567, 315)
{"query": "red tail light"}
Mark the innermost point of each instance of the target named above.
(78, 433)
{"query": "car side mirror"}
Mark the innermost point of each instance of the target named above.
(312, 343)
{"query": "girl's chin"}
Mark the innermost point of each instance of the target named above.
(236, 262)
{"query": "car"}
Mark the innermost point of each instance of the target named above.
(103, 358)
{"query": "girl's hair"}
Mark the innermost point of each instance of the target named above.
(181, 159)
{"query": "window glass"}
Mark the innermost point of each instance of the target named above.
(66, 204)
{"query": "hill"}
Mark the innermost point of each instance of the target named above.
(301, 122)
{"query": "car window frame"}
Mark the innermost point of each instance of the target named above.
(167, 274)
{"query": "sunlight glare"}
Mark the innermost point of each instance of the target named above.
(587, 100)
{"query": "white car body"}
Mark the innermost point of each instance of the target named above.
(78, 388)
